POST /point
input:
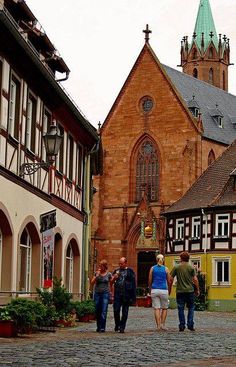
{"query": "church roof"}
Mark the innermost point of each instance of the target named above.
(214, 188)
(205, 24)
(208, 98)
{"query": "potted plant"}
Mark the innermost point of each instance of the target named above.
(142, 297)
(8, 327)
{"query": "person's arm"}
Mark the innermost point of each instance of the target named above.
(96, 275)
(196, 283)
(168, 279)
(172, 274)
(115, 276)
(150, 279)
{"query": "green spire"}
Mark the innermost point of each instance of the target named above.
(205, 24)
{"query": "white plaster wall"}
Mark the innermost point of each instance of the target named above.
(20, 203)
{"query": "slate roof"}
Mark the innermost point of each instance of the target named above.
(214, 188)
(208, 98)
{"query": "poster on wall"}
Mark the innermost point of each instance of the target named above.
(48, 250)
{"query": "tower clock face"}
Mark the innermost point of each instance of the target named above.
(147, 104)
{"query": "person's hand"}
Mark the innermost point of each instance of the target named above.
(98, 272)
(197, 292)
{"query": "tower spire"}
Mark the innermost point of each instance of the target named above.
(205, 24)
(206, 57)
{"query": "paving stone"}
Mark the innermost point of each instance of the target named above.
(213, 344)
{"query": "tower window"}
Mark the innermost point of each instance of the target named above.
(195, 73)
(211, 53)
(194, 54)
(211, 76)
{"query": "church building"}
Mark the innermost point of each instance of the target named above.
(163, 130)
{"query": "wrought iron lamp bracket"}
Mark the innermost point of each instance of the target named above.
(30, 168)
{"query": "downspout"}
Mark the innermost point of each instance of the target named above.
(205, 247)
(87, 225)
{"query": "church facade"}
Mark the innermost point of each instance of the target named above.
(162, 132)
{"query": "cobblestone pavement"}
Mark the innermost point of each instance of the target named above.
(212, 344)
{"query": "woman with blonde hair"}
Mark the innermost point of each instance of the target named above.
(102, 284)
(158, 281)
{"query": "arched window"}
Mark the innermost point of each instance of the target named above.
(211, 76)
(224, 85)
(69, 268)
(195, 73)
(211, 157)
(147, 170)
(211, 53)
(25, 261)
(194, 54)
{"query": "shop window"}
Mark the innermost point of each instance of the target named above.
(25, 262)
(69, 268)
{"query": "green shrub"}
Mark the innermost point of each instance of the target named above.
(201, 300)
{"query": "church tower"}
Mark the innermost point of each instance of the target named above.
(207, 57)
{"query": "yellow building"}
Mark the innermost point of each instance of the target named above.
(203, 222)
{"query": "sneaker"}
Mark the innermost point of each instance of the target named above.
(122, 331)
(181, 329)
(102, 331)
(191, 328)
(116, 329)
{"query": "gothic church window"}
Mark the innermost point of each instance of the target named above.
(195, 54)
(147, 171)
(211, 157)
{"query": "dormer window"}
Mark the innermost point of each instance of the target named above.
(217, 116)
(193, 106)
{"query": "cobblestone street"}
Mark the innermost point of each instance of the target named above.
(212, 344)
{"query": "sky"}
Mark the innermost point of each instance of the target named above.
(100, 41)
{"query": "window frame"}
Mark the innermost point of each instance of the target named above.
(28, 267)
(70, 260)
(14, 107)
(217, 222)
(194, 225)
(179, 229)
(46, 123)
(30, 127)
(215, 262)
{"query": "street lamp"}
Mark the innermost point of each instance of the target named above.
(52, 141)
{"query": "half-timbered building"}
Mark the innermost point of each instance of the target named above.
(43, 207)
(203, 222)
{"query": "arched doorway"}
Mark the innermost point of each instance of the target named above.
(57, 266)
(145, 260)
(5, 253)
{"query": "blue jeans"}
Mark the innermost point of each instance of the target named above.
(101, 304)
(188, 300)
(119, 303)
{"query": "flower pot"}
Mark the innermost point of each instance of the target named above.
(145, 301)
(8, 329)
(84, 318)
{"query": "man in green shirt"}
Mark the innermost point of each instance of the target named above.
(186, 280)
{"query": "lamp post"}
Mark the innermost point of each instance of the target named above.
(52, 141)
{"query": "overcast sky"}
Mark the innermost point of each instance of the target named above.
(101, 39)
